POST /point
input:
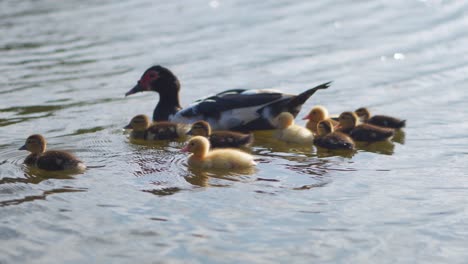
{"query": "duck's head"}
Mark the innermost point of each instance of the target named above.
(197, 145)
(363, 113)
(317, 114)
(35, 144)
(138, 123)
(324, 127)
(200, 128)
(156, 79)
(284, 120)
(348, 120)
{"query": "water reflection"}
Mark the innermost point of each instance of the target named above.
(42, 196)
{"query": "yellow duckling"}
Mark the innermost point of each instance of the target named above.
(330, 139)
(52, 160)
(363, 132)
(379, 120)
(216, 159)
(221, 139)
(163, 130)
(289, 132)
(317, 114)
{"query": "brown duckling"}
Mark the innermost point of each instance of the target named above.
(330, 139)
(52, 160)
(220, 139)
(144, 130)
(379, 120)
(317, 114)
(202, 157)
(363, 132)
(289, 132)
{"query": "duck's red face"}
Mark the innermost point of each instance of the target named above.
(146, 83)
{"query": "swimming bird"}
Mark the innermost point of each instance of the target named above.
(144, 130)
(317, 114)
(363, 132)
(330, 139)
(379, 120)
(202, 157)
(289, 132)
(236, 109)
(52, 160)
(220, 139)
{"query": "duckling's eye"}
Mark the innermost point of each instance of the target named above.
(192, 144)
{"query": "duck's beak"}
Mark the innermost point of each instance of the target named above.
(129, 126)
(185, 149)
(307, 117)
(23, 147)
(135, 89)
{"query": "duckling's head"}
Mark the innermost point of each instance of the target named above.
(35, 144)
(197, 145)
(157, 79)
(318, 113)
(324, 127)
(200, 128)
(363, 113)
(348, 120)
(284, 120)
(138, 123)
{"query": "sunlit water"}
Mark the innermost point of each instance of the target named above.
(65, 66)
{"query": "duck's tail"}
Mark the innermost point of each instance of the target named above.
(301, 98)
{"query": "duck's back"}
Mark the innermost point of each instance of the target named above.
(228, 159)
(229, 139)
(162, 131)
(335, 140)
(295, 134)
(367, 132)
(58, 160)
(386, 121)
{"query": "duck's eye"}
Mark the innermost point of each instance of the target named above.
(192, 144)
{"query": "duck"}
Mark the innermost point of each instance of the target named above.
(221, 139)
(235, 109)
(289, 132)
(223, 158)
(51, 160)
(379, 120)
(330, 139)
(362, 132)
(317, 114)
(142, 129)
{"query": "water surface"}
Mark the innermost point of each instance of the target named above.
(66, 65)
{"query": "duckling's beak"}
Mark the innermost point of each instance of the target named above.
(189, 132)
(307, 117)
(23, 147)
(129, 126)
(135, 89)
(185, 149)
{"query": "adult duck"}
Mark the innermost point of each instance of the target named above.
(236, 109)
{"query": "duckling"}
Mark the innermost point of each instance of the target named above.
(289, 132)
(52, 160)
(363, 132)
(330, 139)
(216, 159)
(317, 114)
(379, 120)
(143, 130)
(220, 139)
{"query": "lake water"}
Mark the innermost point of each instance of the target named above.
(65, 66)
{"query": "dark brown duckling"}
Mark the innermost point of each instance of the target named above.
(52, 160)
(330, 139)
(379, 120)
(143, 130)
(363, 132)
(221, 139)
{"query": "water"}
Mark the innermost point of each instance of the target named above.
(65, 67)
